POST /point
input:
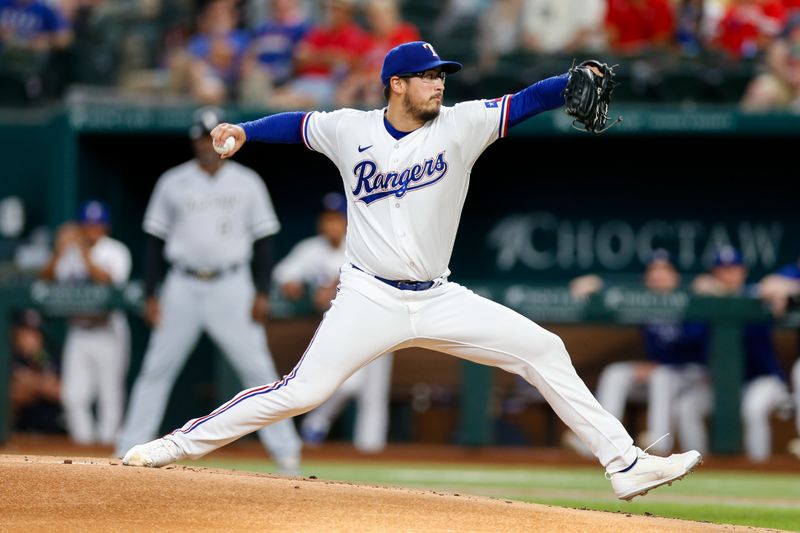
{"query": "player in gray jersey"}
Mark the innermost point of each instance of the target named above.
(210, 219)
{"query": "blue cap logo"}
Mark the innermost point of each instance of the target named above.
(94, 212)
(659, 255)
(728, 256)
(416, 56)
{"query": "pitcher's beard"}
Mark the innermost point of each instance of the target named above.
(420, 112)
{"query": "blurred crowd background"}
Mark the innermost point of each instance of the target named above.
(326, 53)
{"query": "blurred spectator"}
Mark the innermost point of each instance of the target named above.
(781, 291)
(639, 26)
(499, 32)
(32, 25)
(749, 26)
(269, 59)
(324, 57)
(387, 30)
(765, 390)
(315, 262)
(563, 26)
(779, 86)
(676, 361)
(30, 31)
(209, 68)
(690, 32)
(96, 350)
(455, 13)
(35, 386)
(125, 42)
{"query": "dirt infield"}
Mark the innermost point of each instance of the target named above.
(58, 493)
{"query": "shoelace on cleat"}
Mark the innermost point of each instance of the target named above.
(642, 455)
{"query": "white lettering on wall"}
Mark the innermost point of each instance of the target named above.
(542, 241)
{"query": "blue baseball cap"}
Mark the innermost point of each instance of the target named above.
(728, 256)
(94, 212)
(416, 56)
(334, 201)
(659, 255)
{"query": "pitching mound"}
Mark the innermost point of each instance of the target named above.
(39, 493)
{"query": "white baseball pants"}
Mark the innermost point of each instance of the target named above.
(667, 384)
(95, 361)
(368, 318)
(760, 398)
(222, 308)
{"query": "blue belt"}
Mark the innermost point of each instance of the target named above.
(402, 284)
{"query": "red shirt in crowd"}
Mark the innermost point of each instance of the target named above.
(634, 25)
(746, 27)
(348, 42)
(380, 45)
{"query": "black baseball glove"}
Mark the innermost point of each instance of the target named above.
(587, 96)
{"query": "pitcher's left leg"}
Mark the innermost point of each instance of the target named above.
(317, 423)
(466, 325)
(229, 323)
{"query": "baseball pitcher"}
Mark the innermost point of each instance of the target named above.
(406, 170)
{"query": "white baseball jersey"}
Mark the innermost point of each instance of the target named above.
(384, 236)
(210, 222)
(314, 261)
(107, 253)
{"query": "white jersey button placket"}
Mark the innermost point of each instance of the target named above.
(400, 226)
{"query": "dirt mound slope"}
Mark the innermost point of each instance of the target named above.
(51, 493)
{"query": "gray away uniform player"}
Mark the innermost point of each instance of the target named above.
(211, 220)
(406, 171)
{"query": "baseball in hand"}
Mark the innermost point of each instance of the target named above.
(226, 147)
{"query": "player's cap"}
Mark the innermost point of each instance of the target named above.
(94, 212)
(659, 255)
(416, 56)
(28, 318)
(728, 256)
(334, 201)
(204, 120)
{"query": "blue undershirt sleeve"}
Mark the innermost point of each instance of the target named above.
(542, 96)
(279, 128)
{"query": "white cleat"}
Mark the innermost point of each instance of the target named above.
(153, 454)
(289, 466)
(651, 471)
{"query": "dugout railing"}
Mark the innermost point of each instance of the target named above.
(547, 305)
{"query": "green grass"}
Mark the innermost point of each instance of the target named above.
(743, 498)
